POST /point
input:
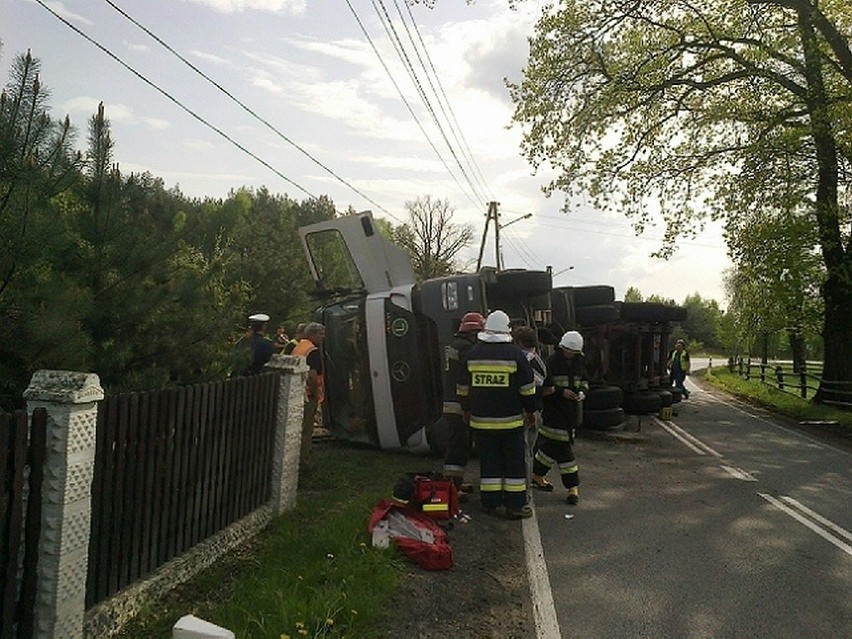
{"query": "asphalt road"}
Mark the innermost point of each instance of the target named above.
(719, 523)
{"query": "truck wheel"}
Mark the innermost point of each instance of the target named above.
(644, 312)
(605, 419)
(665, 399)
(520, 282)
(642, 403)
(597, 314)
(603, 397)
(593, 295)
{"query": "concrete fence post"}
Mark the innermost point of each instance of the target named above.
(70, 399)
(288, 430)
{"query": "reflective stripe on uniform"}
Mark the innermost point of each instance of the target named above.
(515, 485)
(431, 508)
(492, 365)
(544, 458)
(555, 433)
(452, 408)
(453, 470)
(562, 380)
(462, 390)
(568, 468)
(497, 423)
(490, 484)
(527, 389)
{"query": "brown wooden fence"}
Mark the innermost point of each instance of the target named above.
(172, 468)
(22, 456)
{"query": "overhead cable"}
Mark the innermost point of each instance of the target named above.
(175, 100)
(387, 23)
(247, 109)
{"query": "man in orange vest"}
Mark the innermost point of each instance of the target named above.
(309, 348)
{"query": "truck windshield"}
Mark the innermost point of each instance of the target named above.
(335, 268)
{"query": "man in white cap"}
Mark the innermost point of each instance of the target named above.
(258, 350)
(497, 395)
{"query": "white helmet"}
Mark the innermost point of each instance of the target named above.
(572, 341)
(497, 322)
(496, 328)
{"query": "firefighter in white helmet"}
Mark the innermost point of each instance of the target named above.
(565, 388)
(497, 395)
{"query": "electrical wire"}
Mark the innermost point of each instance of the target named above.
(247, 109)
(175, 100)
(450, 118)
(405, 101)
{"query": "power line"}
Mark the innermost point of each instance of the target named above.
(246, 108)
(451, 119)
(387, 23)
(405, 101)
(175, 100)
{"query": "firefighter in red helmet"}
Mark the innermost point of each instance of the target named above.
(458, 440)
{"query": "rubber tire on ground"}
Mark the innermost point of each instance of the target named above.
(666, 398)
(593, 315)
(562, 307)
(593, 295)
(520, 282)
(606, 419)
(642, 403)
(643, 312)
(603, 397)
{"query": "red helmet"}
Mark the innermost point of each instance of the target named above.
(471, 322)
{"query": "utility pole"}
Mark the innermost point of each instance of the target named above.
(492, 214)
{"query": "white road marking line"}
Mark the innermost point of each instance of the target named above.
(544, 612)
(686, 438)
(738, 473)
(809, 524)
(814, 515)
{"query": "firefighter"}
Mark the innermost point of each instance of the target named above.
(564, 389)
(497, 396)
(458, 439)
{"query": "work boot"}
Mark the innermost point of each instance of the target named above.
(541, 483)
(524, 512)
(573, 497)
(465, 487)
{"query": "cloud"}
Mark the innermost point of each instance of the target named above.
(210, 57)
(291, 7)
(69, 15)
(84, 107)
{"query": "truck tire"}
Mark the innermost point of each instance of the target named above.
(606, 419)
(597, 314)
(665, 399)
(642, 403)
(643, 312)
(513, 283)
(603, 397)
(593, 295)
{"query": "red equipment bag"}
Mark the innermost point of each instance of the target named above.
(430, 493)
(418, 536)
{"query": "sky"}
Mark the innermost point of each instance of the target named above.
(322, 104)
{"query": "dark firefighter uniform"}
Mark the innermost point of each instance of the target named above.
(497, 390)
(458, 439)
(560, 416)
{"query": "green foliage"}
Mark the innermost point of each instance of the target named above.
(729, 109)
(336, 585)
(633, 294)
(117, 275)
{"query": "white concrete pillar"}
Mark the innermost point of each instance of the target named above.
(288, 430)
(63, 552)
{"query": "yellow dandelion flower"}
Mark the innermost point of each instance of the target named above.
(300, 624)
(353, 611)
(285, 636)
(329, 622)
(303, 631)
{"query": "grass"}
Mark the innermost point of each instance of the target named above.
(785, 403)
(313, 571)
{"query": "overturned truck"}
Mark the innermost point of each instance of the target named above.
(387, 335)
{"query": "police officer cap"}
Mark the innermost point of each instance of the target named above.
(259, 317)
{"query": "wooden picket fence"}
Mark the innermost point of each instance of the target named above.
(172, 468)
(22, 454)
